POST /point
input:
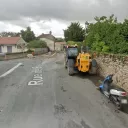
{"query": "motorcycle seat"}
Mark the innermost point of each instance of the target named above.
(116, 88)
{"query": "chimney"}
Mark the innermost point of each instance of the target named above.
(50, 32)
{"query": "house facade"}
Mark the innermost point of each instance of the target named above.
(59, 46)
(12, 45)
(49, 39)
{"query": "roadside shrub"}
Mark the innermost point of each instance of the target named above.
(37, 44)
(79, 44)
(30, 51)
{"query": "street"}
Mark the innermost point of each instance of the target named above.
(40, 94)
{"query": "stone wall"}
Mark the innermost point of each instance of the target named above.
(115, 64)
(40, 51)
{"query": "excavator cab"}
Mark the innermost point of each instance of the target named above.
(72, 52)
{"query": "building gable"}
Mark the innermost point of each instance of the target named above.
(47, 36)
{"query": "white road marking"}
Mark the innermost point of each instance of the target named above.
(35, 83)
(11, 70)
(37, 78)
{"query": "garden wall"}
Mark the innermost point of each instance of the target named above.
(115, 64)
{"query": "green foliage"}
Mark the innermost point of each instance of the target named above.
(37, 44)
(59, 40)
(30, 51)
(105, 48)
(74, 32)
(100, 47)
(107, 35)
(28, 35)
(9, 34)
(73, 43)
(79, 44)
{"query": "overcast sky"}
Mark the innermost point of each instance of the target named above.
(54, 15)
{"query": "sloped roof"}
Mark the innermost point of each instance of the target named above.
(9, 40)
(47, 36)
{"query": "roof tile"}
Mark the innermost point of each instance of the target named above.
(9, 40)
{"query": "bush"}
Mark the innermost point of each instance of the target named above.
(100, 47)
(37, 44)
(114, 34)
(79, 44)
(30, 51)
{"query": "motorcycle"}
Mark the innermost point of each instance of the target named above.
(115, 94)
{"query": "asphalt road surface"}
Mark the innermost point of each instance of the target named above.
(40, 94)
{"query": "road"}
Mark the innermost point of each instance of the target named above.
(40, 94)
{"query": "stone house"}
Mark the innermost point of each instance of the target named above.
(49, 39)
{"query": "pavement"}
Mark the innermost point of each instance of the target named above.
(40, 94)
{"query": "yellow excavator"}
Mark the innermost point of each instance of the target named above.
(75, 61)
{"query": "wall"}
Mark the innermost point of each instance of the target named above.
(118, 65)
(4, 49)
(50, 43)
(14, 49)
(21, 41)
(57, 47)
(40, 50)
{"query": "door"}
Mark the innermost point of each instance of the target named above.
(9, 49)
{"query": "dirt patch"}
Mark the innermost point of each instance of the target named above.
(94, 78)
(59, 62)
(72, 124)
(12, 84)
(84, 124)
(62, 88)
(60, 109)
(61, 112)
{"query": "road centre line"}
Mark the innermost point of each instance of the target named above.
(11, 70)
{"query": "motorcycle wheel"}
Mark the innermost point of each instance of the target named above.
(110, 98)
(118, 105)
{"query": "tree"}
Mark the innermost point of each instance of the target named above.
(74, 32)
(9, 34)
(113, 35)
(59, 39)
(28, 35)
(37, 44)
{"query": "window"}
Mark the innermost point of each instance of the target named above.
(72, 51)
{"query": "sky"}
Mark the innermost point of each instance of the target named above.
(55, 15)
